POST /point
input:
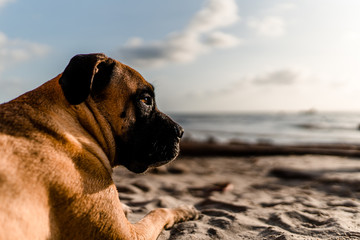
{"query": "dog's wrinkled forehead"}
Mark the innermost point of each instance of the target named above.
(131, 78)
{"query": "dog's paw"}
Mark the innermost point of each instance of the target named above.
(188, 212)
(182, 214)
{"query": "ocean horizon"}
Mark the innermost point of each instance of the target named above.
(305, 127)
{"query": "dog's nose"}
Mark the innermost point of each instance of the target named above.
(179, 131)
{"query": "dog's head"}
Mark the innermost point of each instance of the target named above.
(144, 136)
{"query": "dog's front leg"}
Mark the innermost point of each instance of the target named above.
(153, 223)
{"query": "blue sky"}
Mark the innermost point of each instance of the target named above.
(202, 55)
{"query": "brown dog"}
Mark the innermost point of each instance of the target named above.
(59, 143)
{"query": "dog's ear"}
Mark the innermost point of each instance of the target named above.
(78, 78)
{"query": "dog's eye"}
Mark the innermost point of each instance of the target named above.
(147, 100)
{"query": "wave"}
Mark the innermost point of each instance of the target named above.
(325, 127)
(270, 127)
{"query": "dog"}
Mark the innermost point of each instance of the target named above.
(59, 143)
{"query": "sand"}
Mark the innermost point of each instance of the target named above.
(272, 197)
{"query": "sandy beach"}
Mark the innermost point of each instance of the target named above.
(252, 196)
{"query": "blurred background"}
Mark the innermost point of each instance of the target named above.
(281, 71)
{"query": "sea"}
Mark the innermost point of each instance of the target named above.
(308, 127)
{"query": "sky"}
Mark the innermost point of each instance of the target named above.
(201, 55)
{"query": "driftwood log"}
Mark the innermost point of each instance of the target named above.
(193, 148)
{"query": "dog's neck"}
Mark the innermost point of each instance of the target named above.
(99, 129)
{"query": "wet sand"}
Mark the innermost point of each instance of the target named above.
(252, 196)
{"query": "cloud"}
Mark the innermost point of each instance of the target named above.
(199, 37)
(270, 26)
(221, 40)
(282, 7)
(4, 2)
(13, 51)
(215, 14)
(279, 77)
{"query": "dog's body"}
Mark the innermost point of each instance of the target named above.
(59, 143)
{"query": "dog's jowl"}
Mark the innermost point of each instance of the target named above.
(59, 143)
